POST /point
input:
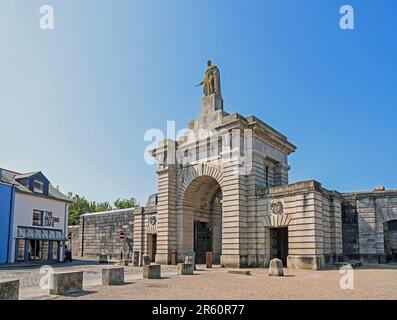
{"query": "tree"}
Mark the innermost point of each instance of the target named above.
(101, 206)
(81, 205)
(77, 207)
(125, 203)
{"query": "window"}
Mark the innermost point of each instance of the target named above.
(267, 177)
(220, 145)
(25, 183)
(38, 186)
(37, 218)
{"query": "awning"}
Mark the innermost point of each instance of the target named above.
(36, 233)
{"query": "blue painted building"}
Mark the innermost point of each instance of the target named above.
(7, 198)
(33, 218)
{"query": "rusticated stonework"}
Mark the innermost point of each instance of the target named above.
(227, 192)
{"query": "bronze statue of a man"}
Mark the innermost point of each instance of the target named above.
(211, 83)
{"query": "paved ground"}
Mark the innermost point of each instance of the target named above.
(370, 282)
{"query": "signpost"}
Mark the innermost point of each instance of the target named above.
(122, 238)
(122, 235)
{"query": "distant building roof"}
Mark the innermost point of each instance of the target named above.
(12, 177)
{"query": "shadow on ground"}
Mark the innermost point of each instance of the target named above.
(55, 265)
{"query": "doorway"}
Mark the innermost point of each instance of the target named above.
(34, 250)
(390, 240)
(202, 240)
(279, 244)
(151, 246)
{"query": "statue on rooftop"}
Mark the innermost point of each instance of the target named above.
(211, 83)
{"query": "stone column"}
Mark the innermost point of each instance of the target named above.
(166, 213)
(255, 241)
(139, 232)
(336, 226)
(234, 223)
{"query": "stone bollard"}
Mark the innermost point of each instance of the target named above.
(152, 271)
(136, 258)
(173, 258)
(112, 276)
(9, 290)
(146, 259)
(191, 258)
(276, 268)
(103, 258)
(123, 263)
(185, 269)
(66, 282)
(208, 259)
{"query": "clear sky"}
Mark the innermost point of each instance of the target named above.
(76, 101)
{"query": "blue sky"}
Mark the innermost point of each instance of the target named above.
(76, 101)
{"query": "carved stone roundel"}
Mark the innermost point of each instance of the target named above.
(152, 220)
(277, 207)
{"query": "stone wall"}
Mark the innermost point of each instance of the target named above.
(313, 217)
(74, 244)
(351, 246)
(364, 215)
(99, 233)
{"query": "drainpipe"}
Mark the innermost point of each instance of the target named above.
(11, 224)
(82, 234)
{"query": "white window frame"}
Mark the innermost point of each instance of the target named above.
(42, 218)
(41, 183)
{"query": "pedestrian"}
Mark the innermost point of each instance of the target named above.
(68, 254)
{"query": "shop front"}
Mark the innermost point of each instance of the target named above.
(39, 244)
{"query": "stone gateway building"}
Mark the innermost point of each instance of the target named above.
(223, 188)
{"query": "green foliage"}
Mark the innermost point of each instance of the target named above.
(80, 205)
(125, 203)
(101, 206)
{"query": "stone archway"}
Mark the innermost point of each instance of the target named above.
(199, 214)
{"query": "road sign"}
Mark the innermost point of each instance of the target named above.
(69, 236)
(122, 235)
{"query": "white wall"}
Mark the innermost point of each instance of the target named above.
(23, 213)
